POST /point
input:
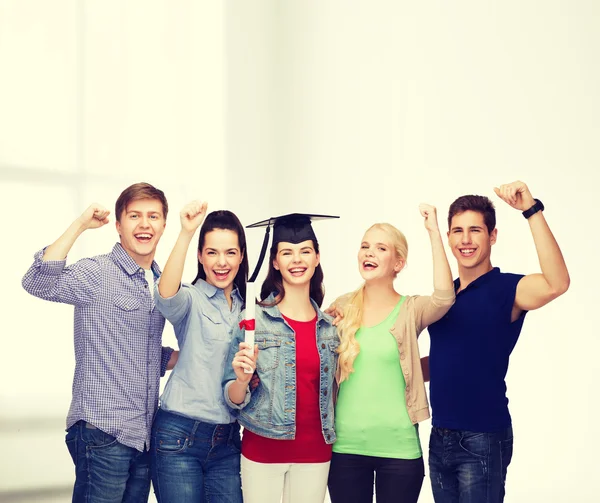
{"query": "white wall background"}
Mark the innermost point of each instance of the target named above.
(354, 108)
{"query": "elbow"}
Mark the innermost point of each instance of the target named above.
(562, 287)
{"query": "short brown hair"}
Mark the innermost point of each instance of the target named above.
(138, 191)
(479, 204)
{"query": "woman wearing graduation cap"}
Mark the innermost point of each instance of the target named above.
(288, 417)
(195, 438)
(382, 394)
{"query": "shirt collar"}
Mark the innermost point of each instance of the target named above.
(480, 280)
(130, 266)
(211, 290)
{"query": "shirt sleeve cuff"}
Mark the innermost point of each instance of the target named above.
(164, 359)
(49, 267)
(443, 297)
(237, 406)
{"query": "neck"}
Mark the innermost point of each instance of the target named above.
(296, 303)
(380, 292)
(145, 262)
(468, 275)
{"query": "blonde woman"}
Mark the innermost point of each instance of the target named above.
(381, 389)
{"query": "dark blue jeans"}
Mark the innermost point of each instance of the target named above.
(469, 467)
(105, 470)
(194, 461)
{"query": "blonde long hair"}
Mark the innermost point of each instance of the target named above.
(353, 307)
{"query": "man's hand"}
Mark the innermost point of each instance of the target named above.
(94, 217)
(430, 214)
(515, 194)
(192, 215)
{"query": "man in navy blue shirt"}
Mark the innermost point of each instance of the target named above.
(471, 437)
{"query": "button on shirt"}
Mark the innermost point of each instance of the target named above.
(202, 320)
(118, 353)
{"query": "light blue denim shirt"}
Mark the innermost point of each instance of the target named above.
(202, 322)
(270, 410)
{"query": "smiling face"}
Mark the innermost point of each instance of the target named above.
(141, 226)
(377, 256)
(470, 241)
(296, 262)
(221, 258)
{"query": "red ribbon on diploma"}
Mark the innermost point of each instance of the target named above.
(247, 324)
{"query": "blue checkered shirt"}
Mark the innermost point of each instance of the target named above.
(118, 353)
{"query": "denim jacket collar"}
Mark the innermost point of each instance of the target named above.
(273, 310)
(211, 290)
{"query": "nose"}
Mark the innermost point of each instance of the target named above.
(221, 259)
(466, 238)
(369, 252)
(145, 221)
(296, 257)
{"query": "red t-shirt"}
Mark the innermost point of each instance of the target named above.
(309, 445)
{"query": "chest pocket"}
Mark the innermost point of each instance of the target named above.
(127, 303)
(215, 329)
(268, 353)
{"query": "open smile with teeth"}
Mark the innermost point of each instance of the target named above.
(467, 252)
(297, 271)
(221, 273)
(144, 237)
(369, 265)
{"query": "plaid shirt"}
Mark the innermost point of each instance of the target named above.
(118, 353)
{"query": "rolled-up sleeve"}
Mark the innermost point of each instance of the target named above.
(164, 359)
(53, 280)
(430, 309)
(177, 307)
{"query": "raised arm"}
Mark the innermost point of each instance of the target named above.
(443, 296)
(191, 216)
(536, 290)
(94, 217)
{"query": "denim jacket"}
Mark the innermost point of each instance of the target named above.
(270, 409)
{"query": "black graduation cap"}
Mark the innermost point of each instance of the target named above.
(292, 228)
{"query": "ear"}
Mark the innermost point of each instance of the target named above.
(493, 236)
(275, 265)
(318, 259)
(399, 265)
(200, 257)
(118, 226)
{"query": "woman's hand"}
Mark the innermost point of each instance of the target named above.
(430, 214)
(242, 360)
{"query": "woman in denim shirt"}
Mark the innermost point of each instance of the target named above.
(288, 417)
(195, 438)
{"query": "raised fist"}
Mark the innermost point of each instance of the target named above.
(94, 216)
(430, 214)
(516, 194)
(192, 215)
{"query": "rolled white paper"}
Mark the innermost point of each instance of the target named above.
(249, 316)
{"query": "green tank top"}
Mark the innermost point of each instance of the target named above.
(370, 415)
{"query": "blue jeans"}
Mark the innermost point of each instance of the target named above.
(194, 461)
(105, 470)
(469, 467)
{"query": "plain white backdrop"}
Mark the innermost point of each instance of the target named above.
(353, 108)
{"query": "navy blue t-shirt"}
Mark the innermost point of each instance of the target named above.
(469, 353)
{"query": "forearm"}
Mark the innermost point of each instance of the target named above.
(171, 277)
(61, 247)
(442, 275)
(549, 255)
(237, 391)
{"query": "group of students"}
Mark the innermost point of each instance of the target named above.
(327, 399)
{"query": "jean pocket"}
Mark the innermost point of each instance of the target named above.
(95, 438)
(170, 442)
(475, 444)
(71, 441)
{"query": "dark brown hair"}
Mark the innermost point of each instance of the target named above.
(139, 191)
(479, 204)
(226, 220)
(274, 282)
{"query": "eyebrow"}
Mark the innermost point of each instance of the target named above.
(376, 244)
(470, 227)
(149, 212)
(208, 248)
(301, 249)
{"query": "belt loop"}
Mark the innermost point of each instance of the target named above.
(193, 433)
